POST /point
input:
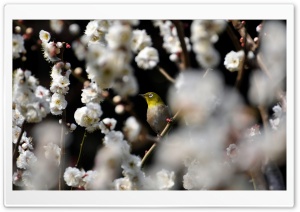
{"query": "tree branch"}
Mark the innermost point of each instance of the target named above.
(162, 134)
(167, 76)
(185, 55)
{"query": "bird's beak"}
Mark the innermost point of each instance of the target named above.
(142, 95)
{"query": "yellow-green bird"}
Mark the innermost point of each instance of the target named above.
(158, 114)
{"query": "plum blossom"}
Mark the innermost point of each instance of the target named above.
(165, 179)
(17, 45)
(91, 93)
(88, 116)
(107, 124)
(233, 60)
(74, 177)
(147, 58)
(118, 36)
(122, 184)
(57, 104)
(131, 128)
(140, 40)
(45, 36)
(26, 160)
(53, 153)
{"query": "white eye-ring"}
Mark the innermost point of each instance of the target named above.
(150, 95)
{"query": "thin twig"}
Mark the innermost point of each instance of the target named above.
(19, 139)
(185, 55)
(167, 76)
(62, 146)
(253, 181)
(80, 151)
(239, 26)
(264, 116)
(162, 134)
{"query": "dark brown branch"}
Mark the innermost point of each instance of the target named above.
(185, 55)
(19, 140)
(239, 26)
(233, 37)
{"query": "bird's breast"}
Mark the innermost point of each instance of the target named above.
(156, 117)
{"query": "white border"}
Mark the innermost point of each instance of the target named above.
(148, 198)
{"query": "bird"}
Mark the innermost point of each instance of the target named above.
(158, 114)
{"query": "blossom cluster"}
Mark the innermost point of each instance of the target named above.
(204, 33)
(116, 154)
(171, 41)
(30, 99)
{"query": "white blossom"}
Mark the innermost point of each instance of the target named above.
(111, 65)
(79, 48)
(187, 95)
(50, 51)
(96, 30)
(277, 115)
(107, 125)
(45, 36)
(18, 118)
(92, 93)
(53, 153)
(147, 58)
(34, 113)
(57, 26)
(91, 28)
(165, 179)
(16, 131)
(74, 29)
(118, 36)
(131, 165)
(140, 40)
(25, 143)
(26, 160)
(233, 60)
(132, 129)
(74, 177)
(122, 184)
(42, 93)
(60, 85)
(73, 127)
(209, 59)
(119, 109)
(262, 89)
(88, 116)
(89, 178)
(57, 104)
(17, 45)
(272, 48)
(113, 137)
(17, 179)
(126, 86)
(171, 41)
(205, 29)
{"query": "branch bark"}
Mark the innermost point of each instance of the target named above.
(185, 55)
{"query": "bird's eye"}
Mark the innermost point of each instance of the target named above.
(150, 95)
